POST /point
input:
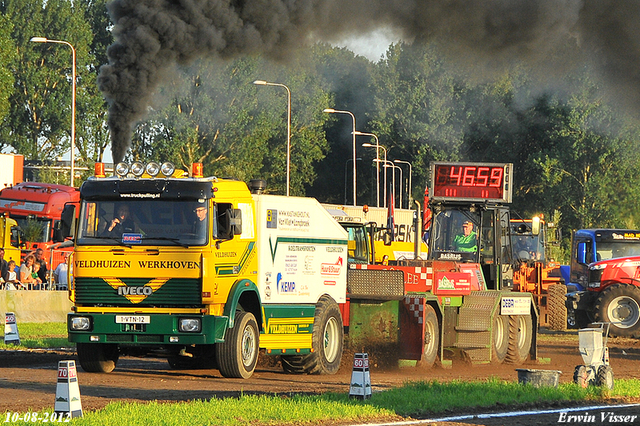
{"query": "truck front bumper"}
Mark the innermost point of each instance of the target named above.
(579, 300)
(147, 329)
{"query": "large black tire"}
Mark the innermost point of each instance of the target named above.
(605, 376)
(500, 339)
(327, 342)
(238, 354)
(520, 336)
(98, 357)
(556, 307)
(431, 338)
(581, 376)
(620, 305)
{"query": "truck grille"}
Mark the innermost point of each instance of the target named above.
(175, 292)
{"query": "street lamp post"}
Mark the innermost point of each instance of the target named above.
(73, 95)
(378, 161)
(265, 83)
(345, 177)
(389, 164)
(353, 133)
(410, 197)
(377, 165)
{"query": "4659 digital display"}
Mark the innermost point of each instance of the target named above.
(471, 181)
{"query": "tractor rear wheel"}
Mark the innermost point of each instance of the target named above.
(620, 305)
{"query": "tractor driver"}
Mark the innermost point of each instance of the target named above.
(467, 241)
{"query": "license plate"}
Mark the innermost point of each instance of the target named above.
(133, 319)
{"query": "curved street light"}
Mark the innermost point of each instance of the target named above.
(377, 164)
(410, 197)
(266, 83)
(73, 95)
(335, 111)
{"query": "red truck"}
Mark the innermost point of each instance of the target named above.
(37, 207)
(605, 279)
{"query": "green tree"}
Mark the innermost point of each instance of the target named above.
(7, 57)
(39, 122)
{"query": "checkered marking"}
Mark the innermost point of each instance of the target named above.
(416, 305)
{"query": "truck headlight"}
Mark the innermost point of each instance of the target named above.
(189, 325)
(80, 324)
(598, 267)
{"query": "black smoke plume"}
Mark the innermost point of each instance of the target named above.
(153, 35)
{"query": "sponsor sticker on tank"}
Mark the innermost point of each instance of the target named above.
(510, 305)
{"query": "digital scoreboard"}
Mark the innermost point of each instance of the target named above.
(471, 181)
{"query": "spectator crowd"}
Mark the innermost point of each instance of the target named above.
(33, 273)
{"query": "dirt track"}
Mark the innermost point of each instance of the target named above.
(28, 379)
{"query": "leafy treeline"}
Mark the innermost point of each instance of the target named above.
(575, 154)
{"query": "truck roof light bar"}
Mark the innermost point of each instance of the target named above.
(122, 169)
(137, 169)
(153, 169)
(167, 169)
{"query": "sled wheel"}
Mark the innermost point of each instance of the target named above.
(500, 341)
(98, 357)
(520, 334)
(238, 354)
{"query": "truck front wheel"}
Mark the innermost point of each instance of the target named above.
(238, 354)
(500, 340)
(431, 338)
(620, 305)
(98, 357)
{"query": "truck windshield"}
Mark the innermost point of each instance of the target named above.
(455, 231)
(36, 230)
(144, 222)
(527, 246)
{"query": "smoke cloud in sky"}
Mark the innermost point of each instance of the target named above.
(153, 35)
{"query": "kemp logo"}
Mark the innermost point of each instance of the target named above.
(331, 268)
(135, 294)
(285, 287)
(131, 238)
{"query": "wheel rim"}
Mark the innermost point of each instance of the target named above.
(248, 345)
(498, 333)
(429, 340)
(330, 344)
(522, 332)
(624, 311)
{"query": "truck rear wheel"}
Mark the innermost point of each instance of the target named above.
(238, 354)
(431, 338)
(98, 357)
(520, 333)
(620, 305)
(556, 307)
(500, 341)
(327, 342)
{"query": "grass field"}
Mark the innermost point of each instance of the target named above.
(414, 399)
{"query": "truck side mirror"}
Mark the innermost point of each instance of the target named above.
(66, 226)
(235, 221)
(582, 253)
(386, 238)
